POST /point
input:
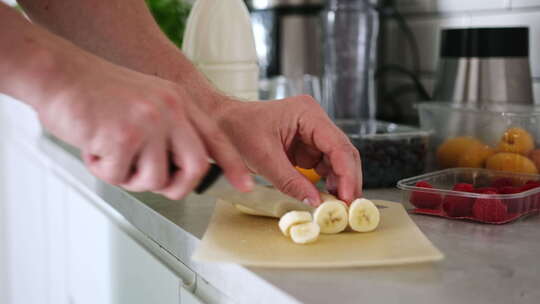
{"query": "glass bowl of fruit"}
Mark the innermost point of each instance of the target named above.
(497, 137)
(481, 195)
(389, 151)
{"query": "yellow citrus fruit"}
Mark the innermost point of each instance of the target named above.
(511, 162)
(516, 140)
(475, 156)
(310, 174)
(451, 150)
(535, 157)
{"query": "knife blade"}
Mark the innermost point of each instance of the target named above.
(262, 198)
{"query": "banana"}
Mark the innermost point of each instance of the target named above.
(305, 233)
(363, 215)
(331, 216)
(293, 218)
(247, 210)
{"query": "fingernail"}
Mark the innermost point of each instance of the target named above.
(310, 201)
(248, 183)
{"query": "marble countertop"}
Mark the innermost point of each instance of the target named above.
(484, 263)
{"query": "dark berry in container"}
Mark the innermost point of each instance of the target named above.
(389, 152)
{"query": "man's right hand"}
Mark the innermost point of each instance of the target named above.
(131, 127)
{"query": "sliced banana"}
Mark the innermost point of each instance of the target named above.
(364, 216)
(305, 233)
(293, 218)
(250, 211)
(331, 216)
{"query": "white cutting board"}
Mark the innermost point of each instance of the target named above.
(233, 237)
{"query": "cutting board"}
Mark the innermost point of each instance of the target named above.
(233, 237)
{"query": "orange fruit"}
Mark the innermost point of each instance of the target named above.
(516, 140)
(310, 174)
(511, 162)
(535, 157)
(449, 152)
(475, 156)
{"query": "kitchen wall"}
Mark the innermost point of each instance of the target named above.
(427, 17)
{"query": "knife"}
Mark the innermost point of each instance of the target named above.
(263, 198)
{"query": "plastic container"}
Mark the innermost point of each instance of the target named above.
(474, 137)
(389, 151)
(498, 197)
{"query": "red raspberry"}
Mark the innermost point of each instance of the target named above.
(502, 182)
(457, 205)
(490, 209)
(463, 187)
(514, 205)
(425, 200)
(485, 190)
(530, 185)
(532, 202)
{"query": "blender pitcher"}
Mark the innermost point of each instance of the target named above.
(350, 34)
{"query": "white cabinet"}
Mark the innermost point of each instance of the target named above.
(25, 246)
(56, 245)
(107, 266)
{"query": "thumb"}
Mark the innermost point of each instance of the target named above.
(282, 174)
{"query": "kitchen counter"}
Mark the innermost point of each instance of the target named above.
(484, 263)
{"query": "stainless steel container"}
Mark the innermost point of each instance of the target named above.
(480, 66)
(287, 36)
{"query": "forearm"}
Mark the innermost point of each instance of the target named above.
(124, 32)
(30, 68)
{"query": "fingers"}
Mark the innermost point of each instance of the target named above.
(281, 173)
(305, 156)
(151, 170)
(224, 153)
(112, 161)
(342, 159)
(191, 159)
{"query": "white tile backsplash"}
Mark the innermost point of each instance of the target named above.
(468, 5)
(525, 3)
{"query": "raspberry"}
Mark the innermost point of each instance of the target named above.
(532, 202)
(502, 182)
(463, 187)
(457, 205)
(509, 190)
(530, 185)
(485, 190)
(514, 205)
(425, 200)
(490, 209)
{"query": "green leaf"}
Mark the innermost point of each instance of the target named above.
(171, 16)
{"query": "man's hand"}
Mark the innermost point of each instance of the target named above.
(132, 128)
(275, 136)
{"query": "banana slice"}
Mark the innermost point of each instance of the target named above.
(363, 215)
(247, 210)
(331, 216)
(305, 233)
(293, 218)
